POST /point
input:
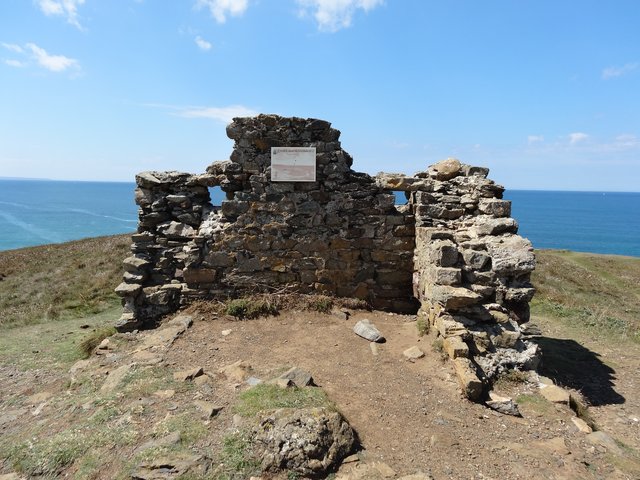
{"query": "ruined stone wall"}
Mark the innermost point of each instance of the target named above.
(452, 251)
(472, 274)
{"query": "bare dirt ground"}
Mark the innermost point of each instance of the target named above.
(409, 415)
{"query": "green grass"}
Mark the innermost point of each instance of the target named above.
(53, 345)
(191, 429)
(48, 455)
(236, 460)
(60, 281)
(249, 308)
(265, 397)
(90, 341)
(596, 293)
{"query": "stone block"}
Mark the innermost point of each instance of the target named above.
(448, 327)
(475, 259)
(199, 275)
(455, 347)
(511, 254)
(135, 264)
(495, 207)
(519, 295)
(445, 275)
(446, 169)
(485, 225)
(128, 289)
(443, 253)
(468, 378)
(453, 298)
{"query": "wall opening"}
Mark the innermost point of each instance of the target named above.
(402, 198)
(217, 196)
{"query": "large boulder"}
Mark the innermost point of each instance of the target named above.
(309, 441)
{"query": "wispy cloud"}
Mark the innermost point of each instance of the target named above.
(15, 63)
(221, 114)
(64, 8)
(613, 72)
(33, 54)
(577, 137)
(220, 9)
(627, 140)
(54, 63)
(202, 43)
(531, 139)
(333, 15)
(13, 47)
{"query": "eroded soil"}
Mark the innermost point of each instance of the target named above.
(408, 414)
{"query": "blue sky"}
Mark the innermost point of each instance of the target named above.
(545, 93)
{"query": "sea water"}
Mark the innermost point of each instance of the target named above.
(35, 212)
(597, 222)
(38, 212)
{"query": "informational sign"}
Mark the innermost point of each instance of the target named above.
(293, 164)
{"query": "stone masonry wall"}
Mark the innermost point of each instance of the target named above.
(452, 251)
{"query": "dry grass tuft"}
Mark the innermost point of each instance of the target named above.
(60, 281)
(599, 293)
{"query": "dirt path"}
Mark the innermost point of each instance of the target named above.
(408, 414)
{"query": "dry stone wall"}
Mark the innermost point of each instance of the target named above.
(451, 252)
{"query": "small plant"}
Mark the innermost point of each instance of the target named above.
(249, 308)
(89, 343)
(321, 304)
(514, 376)
(422, 325)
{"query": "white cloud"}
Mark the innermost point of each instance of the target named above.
(222, 114)
(627, 140)
(333, 15)
(66, 8)
(13, 47)
(531, 139)
(202, 43)
(220, 9)
(613, 72)
(15, 63)
(577, 137)
(54, 63)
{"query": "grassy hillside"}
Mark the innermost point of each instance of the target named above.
(66, 280)
(600, 293)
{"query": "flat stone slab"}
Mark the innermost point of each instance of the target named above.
(413, 353)
(209, 409)
(504, 405)
(555, 394)
(298, 376)
(367, 330)
(114, 378)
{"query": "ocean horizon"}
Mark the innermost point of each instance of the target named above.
(39, 211)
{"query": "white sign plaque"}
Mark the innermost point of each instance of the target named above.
(293, 164)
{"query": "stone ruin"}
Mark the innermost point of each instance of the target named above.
(451, 254)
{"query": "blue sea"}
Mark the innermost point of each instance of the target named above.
(36, 212)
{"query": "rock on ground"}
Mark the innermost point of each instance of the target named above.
(309, 441)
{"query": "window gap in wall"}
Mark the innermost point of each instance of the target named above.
(401, 197)
(217, 196)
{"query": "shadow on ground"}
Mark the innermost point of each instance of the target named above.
(572, 365)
